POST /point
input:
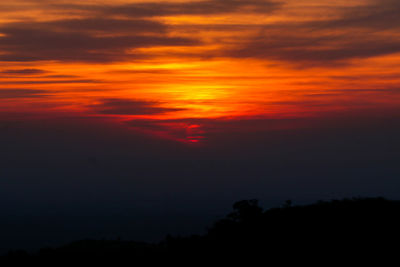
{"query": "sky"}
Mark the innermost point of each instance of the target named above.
(140, 112)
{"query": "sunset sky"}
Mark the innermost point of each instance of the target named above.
(164, 66)
(146, 111)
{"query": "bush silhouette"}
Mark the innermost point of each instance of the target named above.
(326, 231)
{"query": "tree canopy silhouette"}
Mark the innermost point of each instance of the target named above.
(358, 227)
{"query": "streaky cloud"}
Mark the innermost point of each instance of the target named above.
(116, 106)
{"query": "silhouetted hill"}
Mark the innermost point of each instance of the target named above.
(325, 232)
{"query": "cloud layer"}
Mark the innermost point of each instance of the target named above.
(105, 33)
(21, 93)
(90, 40)
(116, 106)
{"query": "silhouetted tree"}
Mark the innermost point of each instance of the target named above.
(246, 210)
(325, 231)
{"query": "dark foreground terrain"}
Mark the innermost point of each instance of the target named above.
(360, 230)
